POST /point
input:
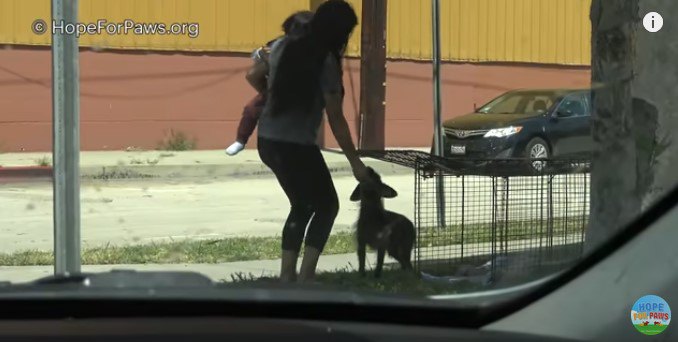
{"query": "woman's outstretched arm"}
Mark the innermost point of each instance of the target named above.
(339, 126)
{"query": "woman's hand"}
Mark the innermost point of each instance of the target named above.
(360, 171)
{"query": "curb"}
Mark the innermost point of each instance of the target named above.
(253, 170)
(246, 169)
(26, 172)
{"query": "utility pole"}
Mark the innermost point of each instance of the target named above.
(66, 140)
(373, 75)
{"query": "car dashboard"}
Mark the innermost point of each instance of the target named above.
(236, 329)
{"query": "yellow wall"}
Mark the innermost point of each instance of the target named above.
(543, 31)
(538, 31)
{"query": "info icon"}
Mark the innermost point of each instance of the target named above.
(653, 22)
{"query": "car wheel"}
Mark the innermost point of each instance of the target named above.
(537, 148)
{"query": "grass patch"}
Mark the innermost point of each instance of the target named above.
(117, 174)
(650, 329)
(44, 161)
(177, 141)
(204, 251)
(513, 230)
(261, 248)
(393, 281)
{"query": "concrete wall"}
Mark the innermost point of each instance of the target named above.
(135, 98)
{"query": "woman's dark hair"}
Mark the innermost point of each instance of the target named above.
(332, 24)
(297, 76)
(296, 24)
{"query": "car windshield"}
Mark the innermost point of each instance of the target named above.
(266, 142)
(520, 103)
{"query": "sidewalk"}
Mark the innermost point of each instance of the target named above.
(147, 164)
(519, 255)
(217, 272)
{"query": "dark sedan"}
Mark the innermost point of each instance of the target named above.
(531, 124)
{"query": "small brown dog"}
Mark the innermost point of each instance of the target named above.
(381, 229)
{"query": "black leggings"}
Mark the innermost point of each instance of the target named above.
(303, 175)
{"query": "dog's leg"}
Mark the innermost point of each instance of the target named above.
(361, 257)
(406, 264)
(381, 253)
(404, 255)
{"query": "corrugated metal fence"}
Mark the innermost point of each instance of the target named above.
(532, 31)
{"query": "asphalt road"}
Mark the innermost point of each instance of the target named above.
(141, 211)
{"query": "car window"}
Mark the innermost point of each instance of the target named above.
(573, 106)
(505, 104)
(519, 103)
(589, 103)
(539, 104)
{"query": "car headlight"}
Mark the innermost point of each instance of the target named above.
(503, 132)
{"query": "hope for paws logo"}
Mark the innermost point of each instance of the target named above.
(651, 315)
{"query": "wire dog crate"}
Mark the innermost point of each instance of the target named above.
(492, 217)
(486, 219)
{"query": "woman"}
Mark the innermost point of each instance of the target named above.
(305, 78)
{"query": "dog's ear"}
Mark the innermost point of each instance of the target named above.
(388, 192)
(355, 196)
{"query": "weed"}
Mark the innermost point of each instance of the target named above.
(177, 141)
(44, 161)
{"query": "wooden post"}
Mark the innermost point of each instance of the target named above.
(373, 75)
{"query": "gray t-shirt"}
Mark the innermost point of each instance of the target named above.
(297, 125)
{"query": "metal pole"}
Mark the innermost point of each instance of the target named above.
(437, 119)
(66, 140)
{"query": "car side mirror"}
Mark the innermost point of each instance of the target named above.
(564, 113)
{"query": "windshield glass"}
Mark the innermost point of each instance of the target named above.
(218, 137)
(520, 103)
